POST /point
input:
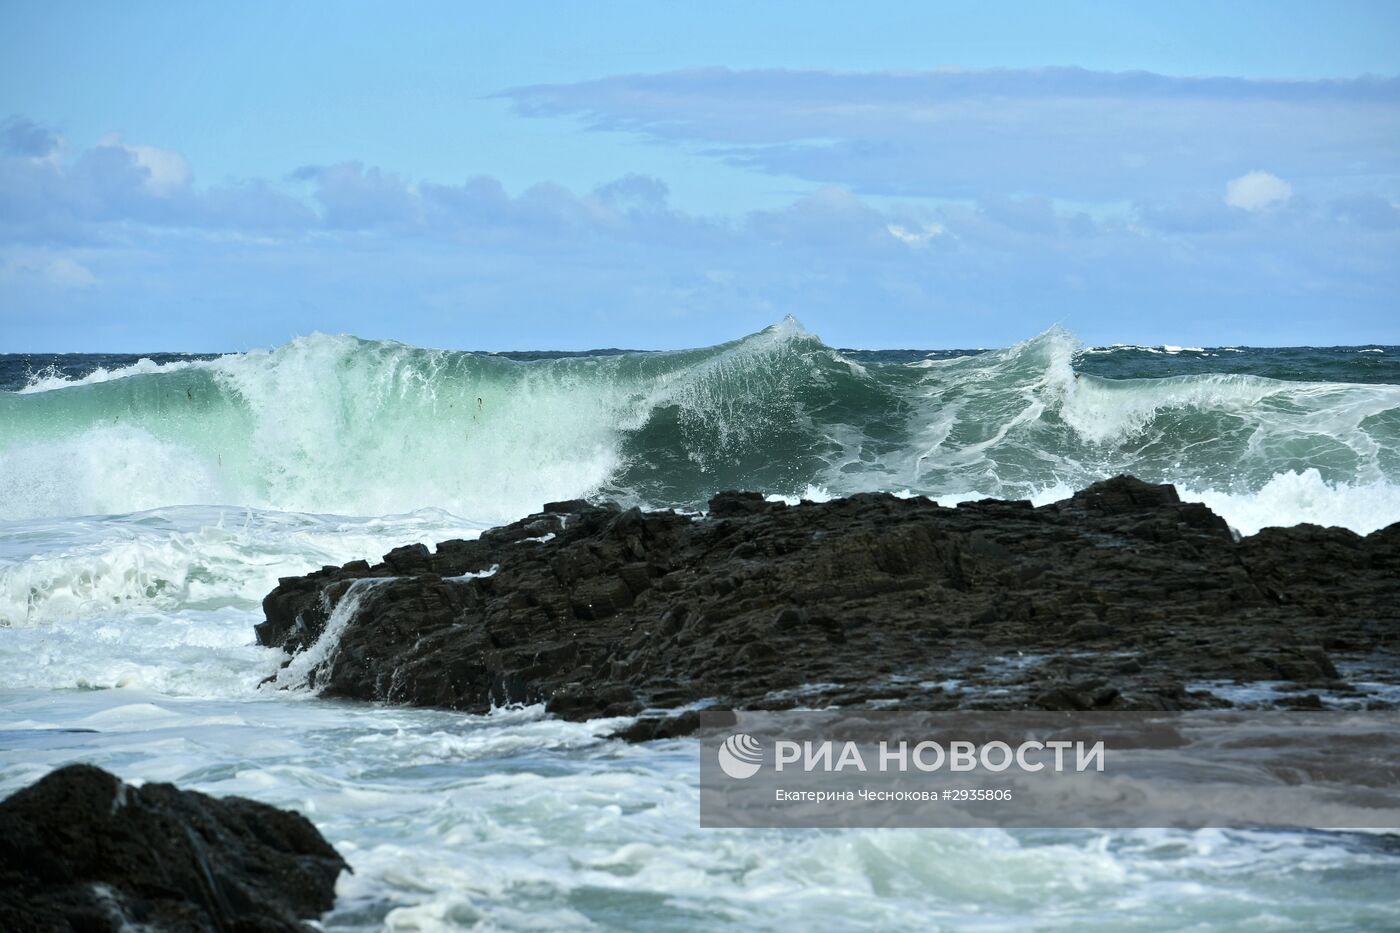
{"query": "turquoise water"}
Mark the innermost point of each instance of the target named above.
(352, 427)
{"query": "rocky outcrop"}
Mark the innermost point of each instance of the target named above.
(81, 850)
(1122, 596)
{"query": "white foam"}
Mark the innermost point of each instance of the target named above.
(392, 431)
(183, 558)
(186, 652)
(102, 470)
(50, 379)
(309, 669)
(491, 572)
(813, 493)
(1291, 498)
(514, 821)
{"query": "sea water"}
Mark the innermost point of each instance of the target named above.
(147, 505)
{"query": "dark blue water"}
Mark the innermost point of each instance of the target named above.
(1371, 363)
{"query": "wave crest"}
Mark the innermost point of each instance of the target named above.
(335, 424)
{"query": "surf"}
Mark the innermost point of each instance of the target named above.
(339, 425)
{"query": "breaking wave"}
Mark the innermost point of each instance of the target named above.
(335, 424)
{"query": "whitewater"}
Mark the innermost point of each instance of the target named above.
(147, 506)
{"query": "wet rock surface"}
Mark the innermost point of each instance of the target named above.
(81, 850)
(1120, 597)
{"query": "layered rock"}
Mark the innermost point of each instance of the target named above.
(1122, 596)
(81, 850)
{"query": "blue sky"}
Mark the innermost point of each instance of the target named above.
(207, 177)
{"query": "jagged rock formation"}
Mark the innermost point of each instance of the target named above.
(1119, 597)
(81, 850)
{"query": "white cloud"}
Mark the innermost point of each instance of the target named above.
(166, 170)
(915, 237)
(1255, 191)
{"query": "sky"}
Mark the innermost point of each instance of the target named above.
(218, 177)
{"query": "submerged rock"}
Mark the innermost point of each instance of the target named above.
(1120, 597)
(81, 850)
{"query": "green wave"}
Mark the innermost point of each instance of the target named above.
(336, 424)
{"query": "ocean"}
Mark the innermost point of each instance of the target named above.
(148, 503)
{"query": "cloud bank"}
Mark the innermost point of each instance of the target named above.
(1064, 133)
(940, 209)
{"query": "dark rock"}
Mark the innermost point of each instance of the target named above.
(1063, 697)
(411, 558)
(1122, 494)
(737, 503)
(651, 728)
(565, 507)
(1089, 631)
(599, 611)
(1104, 696)
(80, 850)
(1321, 661)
